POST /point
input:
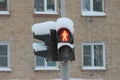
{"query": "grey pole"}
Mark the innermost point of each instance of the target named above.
(65, 70)
(62, 6)
(65, 65)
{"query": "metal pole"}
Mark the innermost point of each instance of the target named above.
(65, 70)
(65, 65)
(62, 6)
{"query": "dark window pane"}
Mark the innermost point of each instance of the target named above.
(97, 5)
(98, 55)
(39, 5)
(50, 5)
(87, 50)
(3, 56)
(86, 5)
(40, 61)
(50, 63)
(3, 50)
(3, 61)
(87, 55)
(87, 61)
(3, 5)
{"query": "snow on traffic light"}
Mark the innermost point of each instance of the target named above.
(58, 40)
(42, 32)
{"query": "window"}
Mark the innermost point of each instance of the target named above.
(93, 55)
(42, 64)
(45, 6)
(93, 8)
(4, 57)
(4, 7)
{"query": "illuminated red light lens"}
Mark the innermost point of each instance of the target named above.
(64, 35)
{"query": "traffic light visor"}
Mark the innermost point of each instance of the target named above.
(64, 35)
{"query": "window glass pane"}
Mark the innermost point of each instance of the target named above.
(98, 55)
(3, 56)
(87, 50)
(50, 63)
(87, 55)
(86, 5)
(3, 61)
(3, 5)
(39, 5)
(97, 5)
(50, 5)
(40, 61)
(3, 50)
(87, 61)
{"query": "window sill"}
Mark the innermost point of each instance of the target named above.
(91, 13)
(93, 68)
(46, 68)
(5, 69)
(38, 12)
(4, 12)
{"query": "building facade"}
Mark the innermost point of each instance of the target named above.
(96, 39)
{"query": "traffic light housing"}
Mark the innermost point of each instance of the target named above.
(48, 49)
(44, 32)
(65, 45)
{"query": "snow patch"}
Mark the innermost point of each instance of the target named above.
(62, 44)
(39, 47)
(65, 23)
(43, 28)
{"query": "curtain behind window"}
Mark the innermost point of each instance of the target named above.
(41, 62)
(86, 5)
(98, 55)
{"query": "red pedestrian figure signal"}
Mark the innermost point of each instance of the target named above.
(64, 35)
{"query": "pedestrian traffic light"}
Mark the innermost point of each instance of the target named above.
(58, 40)
(65, 45)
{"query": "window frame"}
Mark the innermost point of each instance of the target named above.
(45, 67)
(92, 67)
(91, 12)
(45, 8)
(7, 11)
(7, 68)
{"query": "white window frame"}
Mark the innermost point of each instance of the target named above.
(45, 6)
(91, 12)
(7, 68)
(92, 52)
(45, 67)
(7, 11)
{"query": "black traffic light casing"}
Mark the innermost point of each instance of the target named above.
(53, 56)
(50, 42)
